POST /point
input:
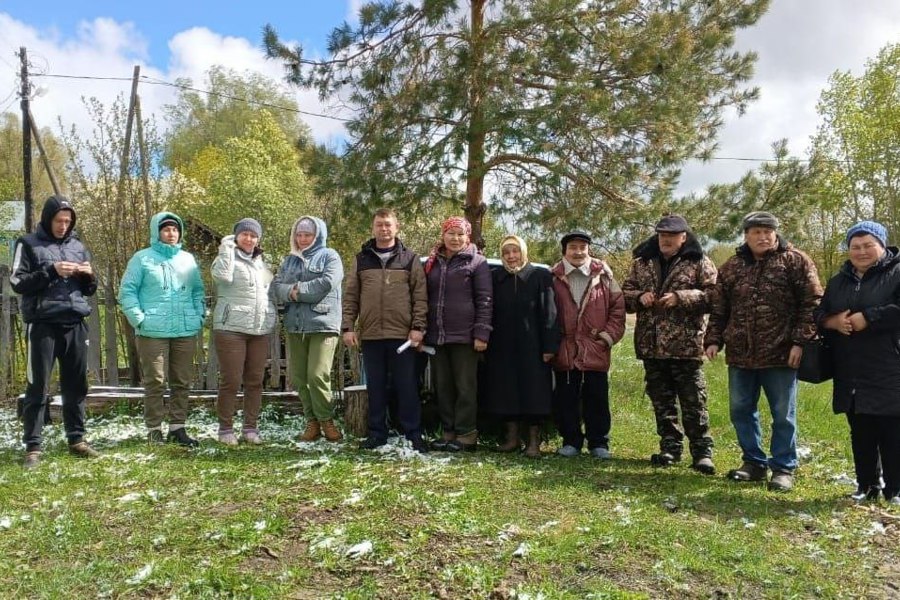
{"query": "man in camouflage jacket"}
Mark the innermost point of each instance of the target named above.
(762, 314)
(668, 288)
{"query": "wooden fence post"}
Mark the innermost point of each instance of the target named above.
(111, 340)
(93, 354)
(6, 346)
(212, 361)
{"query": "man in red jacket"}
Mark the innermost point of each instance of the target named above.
(591, 311)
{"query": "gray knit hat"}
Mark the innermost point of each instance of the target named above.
(305, 225)
(248, 224)
(760, 218)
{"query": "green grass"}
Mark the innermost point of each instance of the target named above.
(277, 522)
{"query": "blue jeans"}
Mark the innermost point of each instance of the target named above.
(780, 385)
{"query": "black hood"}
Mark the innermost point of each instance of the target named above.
(649, 249)
(53, 205)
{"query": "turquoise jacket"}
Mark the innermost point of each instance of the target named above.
(162, 292)
(317, 273)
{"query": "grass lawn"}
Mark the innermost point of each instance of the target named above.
(322, 521)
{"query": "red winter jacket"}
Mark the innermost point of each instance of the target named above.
(590, 331)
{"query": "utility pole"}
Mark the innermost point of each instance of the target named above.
(26, 141)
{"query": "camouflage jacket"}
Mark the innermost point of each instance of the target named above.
(675, 332)
(760, 308)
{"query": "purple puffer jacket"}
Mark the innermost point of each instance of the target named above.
(460, 299)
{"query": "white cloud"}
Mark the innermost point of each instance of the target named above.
(800, 44)
(106, 48)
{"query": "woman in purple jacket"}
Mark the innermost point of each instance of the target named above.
(460, 304)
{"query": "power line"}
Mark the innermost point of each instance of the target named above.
(152, 81)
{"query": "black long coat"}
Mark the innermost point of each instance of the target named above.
(867, 363)
(518, 381)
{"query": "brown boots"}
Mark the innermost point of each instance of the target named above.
(312, 433)
(533, 449)
(512, 438)
(330, 431)
(316, 429)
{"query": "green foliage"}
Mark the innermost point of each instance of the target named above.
(570, 111)
(233, 101)
(858, 141)
(254, 175)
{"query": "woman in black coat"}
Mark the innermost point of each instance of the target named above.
(860, 312)
(524, 339)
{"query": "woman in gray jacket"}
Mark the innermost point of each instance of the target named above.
(242, 321)
(308, 283)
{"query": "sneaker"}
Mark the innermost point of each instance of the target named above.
(782, 481)
(227, 438)
(252, 438)
(664, 459)
(568, 451)
(895, 501)
(32, 459)
(704, 464)
(180, 436)
(601, 453)
(83, 450)
(371, 443)
(866, 494)
(748, 472)
(155, 436)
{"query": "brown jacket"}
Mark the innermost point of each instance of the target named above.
(761, 308)
(385, 301)
(674, 332)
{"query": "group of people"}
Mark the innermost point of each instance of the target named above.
(542, 338)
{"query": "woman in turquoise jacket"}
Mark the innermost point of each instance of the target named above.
(308, 284)
(162, 297)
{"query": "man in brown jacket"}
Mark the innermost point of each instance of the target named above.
(385, 305)
(669, 287)
(762, 314)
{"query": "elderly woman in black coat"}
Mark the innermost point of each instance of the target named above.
(524, 340)
(860, 312)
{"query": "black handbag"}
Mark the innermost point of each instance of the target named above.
(817, 363)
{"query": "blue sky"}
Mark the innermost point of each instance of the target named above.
(308, 21)
(800, 43)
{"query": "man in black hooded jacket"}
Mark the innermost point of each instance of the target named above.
(52, 271)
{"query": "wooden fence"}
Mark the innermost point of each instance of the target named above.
(108, 361)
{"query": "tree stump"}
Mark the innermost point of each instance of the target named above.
(356, 410)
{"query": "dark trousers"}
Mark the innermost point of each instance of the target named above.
(582, 395)
(671, 382)
(383, 364)
(873, 437)
(456, 379)
(47, 343)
